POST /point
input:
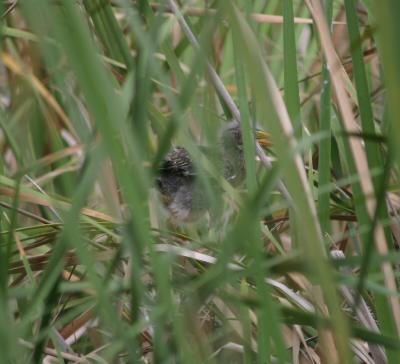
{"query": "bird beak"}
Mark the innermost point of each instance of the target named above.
(263, 138)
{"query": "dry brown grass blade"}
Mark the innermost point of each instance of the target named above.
(26, 197)
(109, 187)
(70, 328)
(356, 146)
(56, 156)
(310, 355)
(36, 84)
(52, 352)
(55, 173)
(38, 262)
(26, 213)
(232, 319)
(257, 17)
(363, 314)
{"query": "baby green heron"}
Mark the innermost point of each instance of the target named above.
(182, 192)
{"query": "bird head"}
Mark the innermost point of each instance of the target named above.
(231, 136)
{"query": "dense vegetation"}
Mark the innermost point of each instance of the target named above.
(299, 264)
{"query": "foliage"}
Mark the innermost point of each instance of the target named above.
(297, 265)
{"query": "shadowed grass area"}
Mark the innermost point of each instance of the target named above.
(297, 264)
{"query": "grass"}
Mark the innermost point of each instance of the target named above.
(296, 265)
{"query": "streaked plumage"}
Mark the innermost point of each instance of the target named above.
(182, 193)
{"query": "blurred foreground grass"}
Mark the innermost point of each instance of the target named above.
(298, 265)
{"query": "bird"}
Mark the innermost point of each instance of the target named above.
(182, 192)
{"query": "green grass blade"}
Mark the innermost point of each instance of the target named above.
(324, 156)
(265, 88)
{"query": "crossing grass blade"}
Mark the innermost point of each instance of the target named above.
(324, 155)
(373, 151)
(292, 174)
(292, 93)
